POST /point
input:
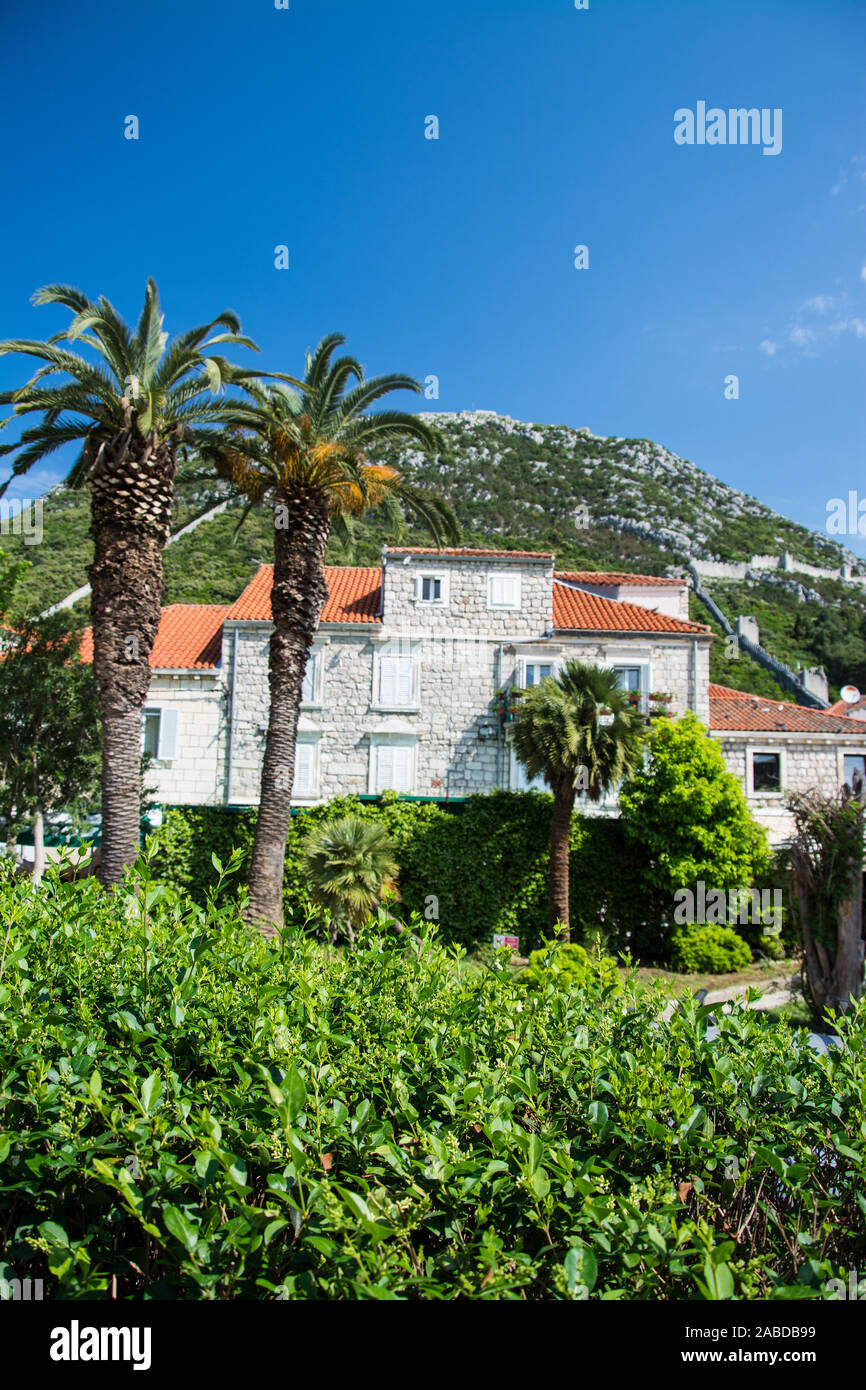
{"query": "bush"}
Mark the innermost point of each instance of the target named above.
(568, 967)
(190, 1112)
(708, 950)
(687, 817)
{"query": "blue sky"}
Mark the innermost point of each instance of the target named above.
(305, 127)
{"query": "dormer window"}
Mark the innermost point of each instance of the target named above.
(503, 591)
(431, 588)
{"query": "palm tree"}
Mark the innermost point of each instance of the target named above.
(578, 730)
(129, 410)
(350, 865)
(309, 459)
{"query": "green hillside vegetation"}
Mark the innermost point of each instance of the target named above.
(798, 633)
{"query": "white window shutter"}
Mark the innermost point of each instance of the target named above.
(384, 767)
(168, 734)
(308, 689)
(402, 769)
(303, 784)
(387, 680)
(395, 681)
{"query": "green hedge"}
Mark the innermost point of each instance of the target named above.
(477, 869)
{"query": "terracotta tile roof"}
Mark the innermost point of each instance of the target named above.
(735, 709)
(189, 637)
(575, 610)
(843, 707)
(460, 550)
(613, 578)
(353, 595)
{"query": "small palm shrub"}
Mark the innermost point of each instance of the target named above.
(570, 967)
(350, 867)
(709, 949)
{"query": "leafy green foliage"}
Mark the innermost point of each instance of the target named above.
(187, 1111)
(568, 966)
(137, 390)
(687, 816)
(708, 949)
(49, 742)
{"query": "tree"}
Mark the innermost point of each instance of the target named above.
(130, 409)
(687, 817)
(309, 460)
(49, 727)
(350, 864)
(827, 879)
(579, 731)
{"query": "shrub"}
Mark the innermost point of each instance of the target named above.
(568, 967)
(686, 817)
(710, 950)
(189, 1112)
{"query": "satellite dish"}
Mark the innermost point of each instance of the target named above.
(850, 694)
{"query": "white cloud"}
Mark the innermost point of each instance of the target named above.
(769, 347)
(818, 304)
(863, 271)
(801, 336)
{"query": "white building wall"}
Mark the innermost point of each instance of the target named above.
(194, 777)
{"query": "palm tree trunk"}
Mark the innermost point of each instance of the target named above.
(297, 599)
(131, 497)
(560, 836)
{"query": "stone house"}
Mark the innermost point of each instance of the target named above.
(401, 687)
(774, 747)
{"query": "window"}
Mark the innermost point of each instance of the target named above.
(854, 774)
(150, 732)
(431, 588)
(397, 680)
(159, 734)
(766, 772)
(535, 671)
(395, 767)
(629, 677)
(503, 591)
(306, 769)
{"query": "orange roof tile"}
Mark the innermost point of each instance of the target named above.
(574, 610)
(613, 578)
(353, 595)
(189, 637)
(740, 711)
